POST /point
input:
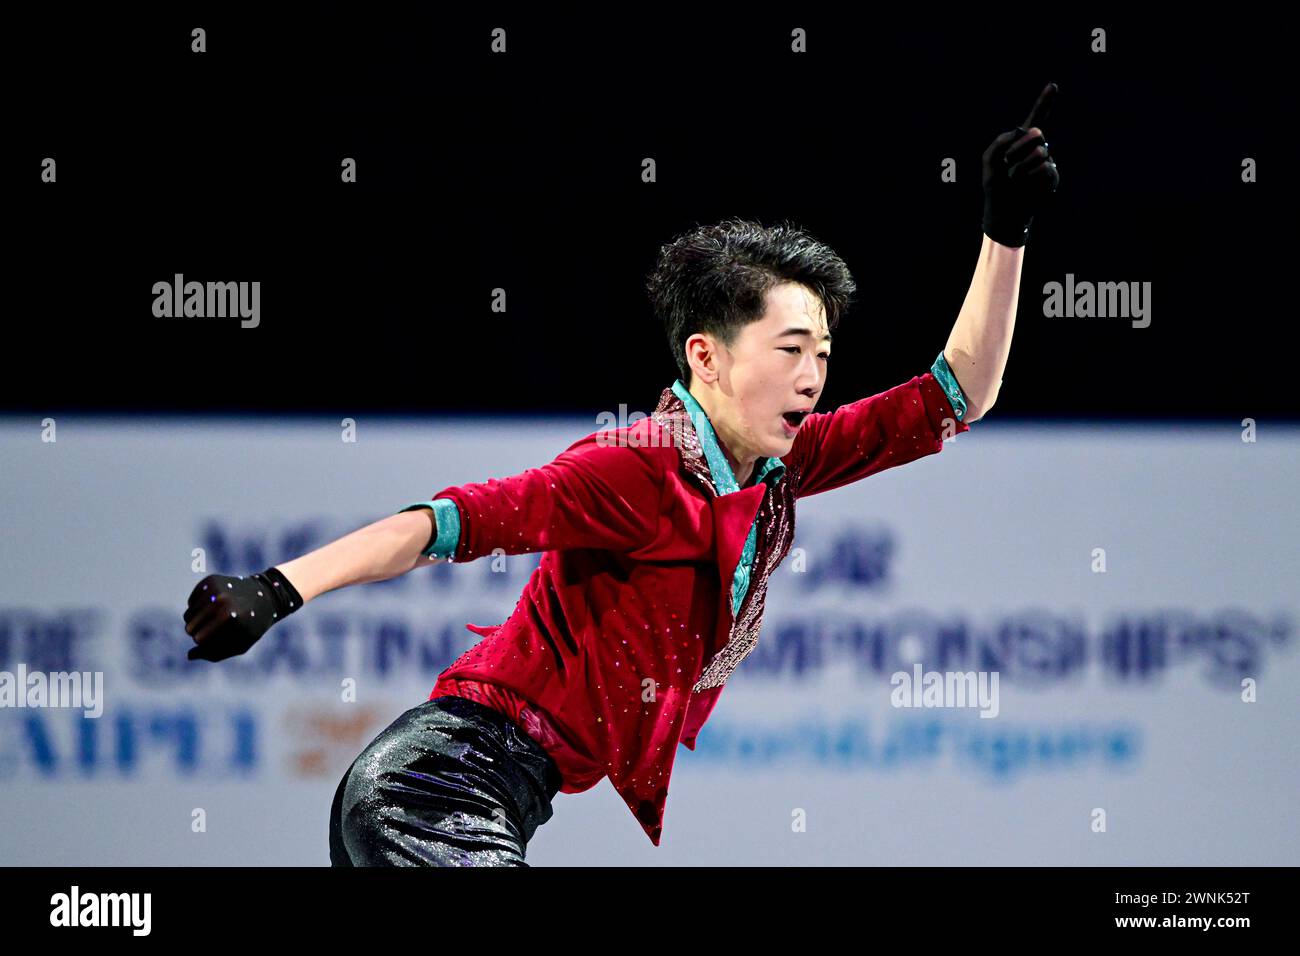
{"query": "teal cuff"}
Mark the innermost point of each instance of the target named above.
(948, 382)
(447, 517)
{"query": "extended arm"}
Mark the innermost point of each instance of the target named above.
(379, 551)
(980, 341)
(226, 615)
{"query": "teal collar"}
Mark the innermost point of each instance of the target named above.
(724, 479)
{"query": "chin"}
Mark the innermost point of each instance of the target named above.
(779, 449)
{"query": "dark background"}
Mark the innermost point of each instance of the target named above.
(523, 171)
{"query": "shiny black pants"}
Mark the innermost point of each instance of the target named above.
(449, 783)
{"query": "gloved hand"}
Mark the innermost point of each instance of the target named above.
(227, 615)
(1019, 176)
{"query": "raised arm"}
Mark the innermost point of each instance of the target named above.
(1019, 176)
(980, 341)
(907, 422)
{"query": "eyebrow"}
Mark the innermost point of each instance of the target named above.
(826, 337)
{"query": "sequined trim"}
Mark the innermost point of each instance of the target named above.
(942, 373)
(776, 534)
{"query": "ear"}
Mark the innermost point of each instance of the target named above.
(702, 356)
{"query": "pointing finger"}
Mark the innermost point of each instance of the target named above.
(1043, 108)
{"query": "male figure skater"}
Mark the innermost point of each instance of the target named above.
(658, 540)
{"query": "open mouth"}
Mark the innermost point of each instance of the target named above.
(794, 419)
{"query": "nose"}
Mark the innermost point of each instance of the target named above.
(811, 378)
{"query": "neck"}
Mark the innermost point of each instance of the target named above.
(741, 461)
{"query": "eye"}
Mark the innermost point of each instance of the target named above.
(825, 356)
(792, 349)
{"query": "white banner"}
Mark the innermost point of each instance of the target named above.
(1126, 596)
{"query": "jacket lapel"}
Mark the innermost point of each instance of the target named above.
(733, 514)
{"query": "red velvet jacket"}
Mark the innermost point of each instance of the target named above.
(624, 636)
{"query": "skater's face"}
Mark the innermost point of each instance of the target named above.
(777, 365)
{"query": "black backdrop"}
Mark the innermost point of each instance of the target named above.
(522, 171)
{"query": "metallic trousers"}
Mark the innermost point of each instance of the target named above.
(451, 782)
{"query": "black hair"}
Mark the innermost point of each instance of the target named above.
(715, 279)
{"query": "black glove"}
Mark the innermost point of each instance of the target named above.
(227, 615)
(1019, 176)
